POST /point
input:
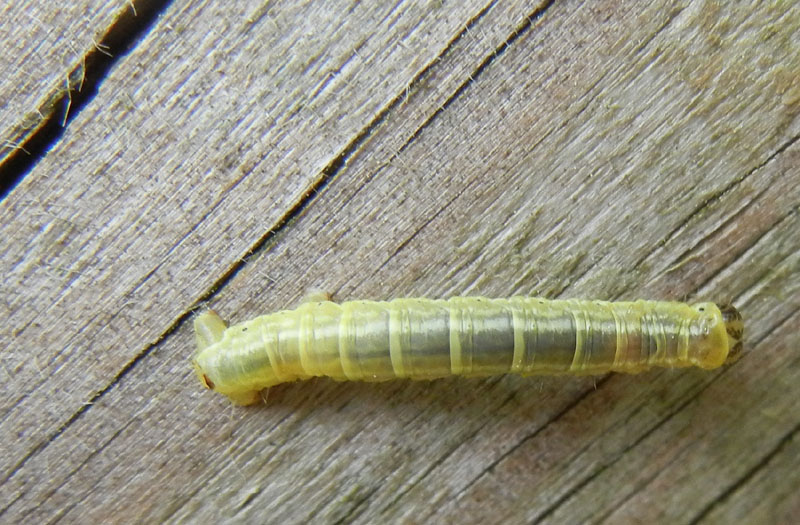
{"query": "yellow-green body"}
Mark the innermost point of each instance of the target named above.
(469, 336)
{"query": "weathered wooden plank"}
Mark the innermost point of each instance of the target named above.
(631, 179)
(111, 255)
(686, 436)
(43, 46)
(769, 495)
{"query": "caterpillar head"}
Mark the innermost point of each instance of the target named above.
(734, 327)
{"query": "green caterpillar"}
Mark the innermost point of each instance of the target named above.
(468, 336)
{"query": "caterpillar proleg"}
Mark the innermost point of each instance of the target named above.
(468, 336)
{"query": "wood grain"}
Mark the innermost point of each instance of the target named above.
(44, 46)
(239, 156)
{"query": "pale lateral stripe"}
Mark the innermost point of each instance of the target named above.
(518, 317)
(270, 341)
(395, 341)
(456, 357)
(580, 330)
(647, 335)
(306, 342)
(349, 364)
(661, 342)
(533, 334)
(622, 339)
(683, 341)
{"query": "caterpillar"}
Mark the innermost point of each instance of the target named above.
(467, 336)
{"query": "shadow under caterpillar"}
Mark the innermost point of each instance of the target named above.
(468, 336)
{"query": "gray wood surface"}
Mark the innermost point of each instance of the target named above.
(44, 49)
(243, 153)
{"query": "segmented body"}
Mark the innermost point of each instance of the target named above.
(470, 336)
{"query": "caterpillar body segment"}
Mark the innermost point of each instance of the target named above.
(469, 336)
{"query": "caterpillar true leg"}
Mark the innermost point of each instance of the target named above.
(209, 329)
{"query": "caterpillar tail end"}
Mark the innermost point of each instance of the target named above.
(208, 330)
(734, 327)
